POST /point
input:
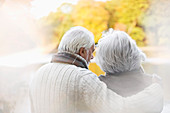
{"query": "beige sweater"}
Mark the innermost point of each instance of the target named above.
(65, 88)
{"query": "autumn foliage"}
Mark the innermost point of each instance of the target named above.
(125, 15)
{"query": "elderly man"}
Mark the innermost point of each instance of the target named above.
(67, 86)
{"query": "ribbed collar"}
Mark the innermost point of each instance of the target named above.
(69, 58)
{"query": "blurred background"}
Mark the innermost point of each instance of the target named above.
(30, 31)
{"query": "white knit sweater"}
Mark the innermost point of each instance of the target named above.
(65, 88)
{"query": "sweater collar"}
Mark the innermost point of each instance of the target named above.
(129, 73)
(69, 58)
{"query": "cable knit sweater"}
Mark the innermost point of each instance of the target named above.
(65, 88)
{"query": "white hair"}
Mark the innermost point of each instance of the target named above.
(117, 52)
(75, 38)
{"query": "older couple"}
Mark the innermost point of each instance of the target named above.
(66, 85)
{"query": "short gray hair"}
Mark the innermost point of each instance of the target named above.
(75, 38)
(118, 52)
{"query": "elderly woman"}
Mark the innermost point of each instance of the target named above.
(119, 57)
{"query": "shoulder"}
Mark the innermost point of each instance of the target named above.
(56, 66)
(90, 80)
(155, 78)
(86, 73)
(83, 73)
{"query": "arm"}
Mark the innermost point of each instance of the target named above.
(97, 97)
(102, 100)
(150, 100)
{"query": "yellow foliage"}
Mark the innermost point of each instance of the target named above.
(91, 15)
(95, 69)
(97, 17)
(121, 27)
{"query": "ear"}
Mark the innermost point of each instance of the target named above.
(82, 52)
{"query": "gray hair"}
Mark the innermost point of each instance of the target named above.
(118, 52)
(75, 38)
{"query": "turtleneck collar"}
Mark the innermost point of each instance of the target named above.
(70, 58)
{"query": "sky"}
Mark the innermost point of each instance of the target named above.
(19, 35)
(42, 8)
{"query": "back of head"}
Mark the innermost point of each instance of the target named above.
(118, 52)
(75, 38)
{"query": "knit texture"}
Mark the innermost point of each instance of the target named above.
(65, 88)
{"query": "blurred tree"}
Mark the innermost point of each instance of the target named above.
(126, 15)
(111, 7)
(91, 15)
(138, 35)
(57, 23)
(156, 23)
(130, 13)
